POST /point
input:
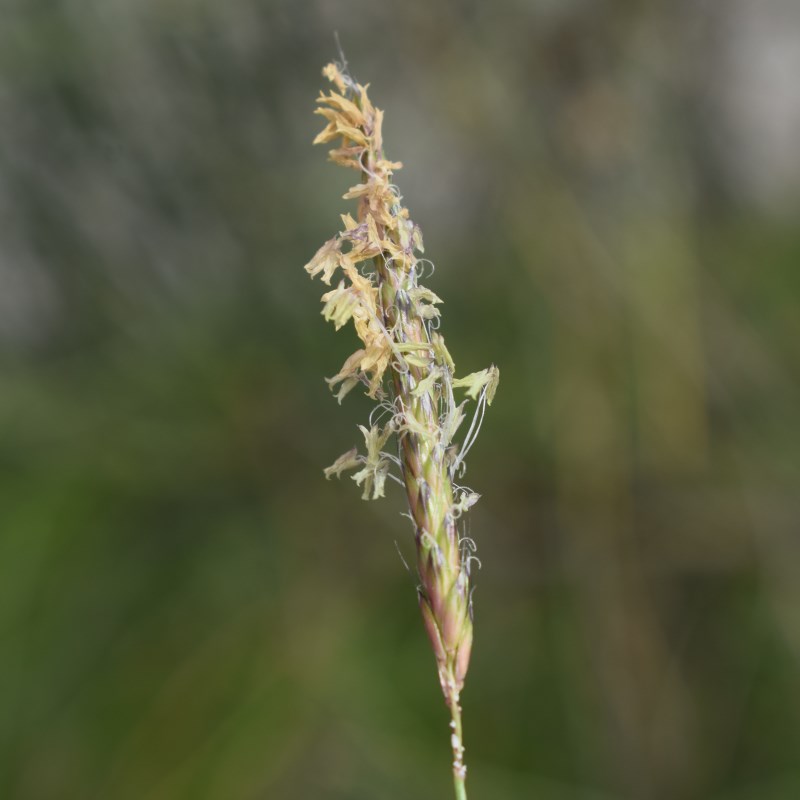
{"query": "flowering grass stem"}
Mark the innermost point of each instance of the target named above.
(405, 366)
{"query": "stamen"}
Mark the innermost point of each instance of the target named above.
(474, 430)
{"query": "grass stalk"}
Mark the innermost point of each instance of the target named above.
(406, 368)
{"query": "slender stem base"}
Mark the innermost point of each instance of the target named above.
(457, 741)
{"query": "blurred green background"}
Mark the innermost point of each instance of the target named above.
(610, 191)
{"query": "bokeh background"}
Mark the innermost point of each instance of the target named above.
(611, 193)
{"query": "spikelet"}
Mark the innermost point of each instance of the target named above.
(403, 364)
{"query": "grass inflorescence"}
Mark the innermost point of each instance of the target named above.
(405, 366)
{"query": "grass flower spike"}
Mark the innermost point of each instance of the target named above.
(406, 368)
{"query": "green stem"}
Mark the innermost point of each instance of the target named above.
(457, 740)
